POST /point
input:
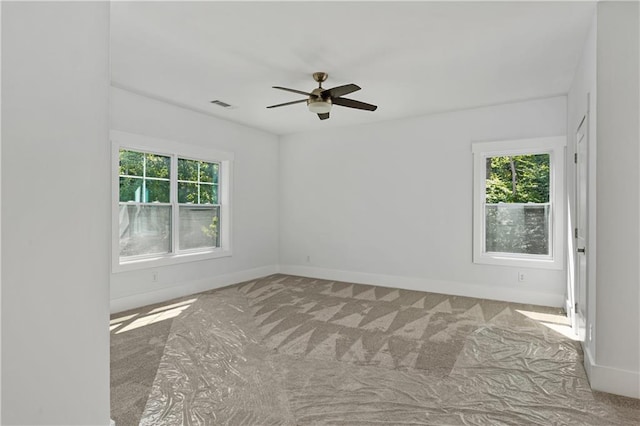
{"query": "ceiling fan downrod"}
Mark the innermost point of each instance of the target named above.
(320, 77)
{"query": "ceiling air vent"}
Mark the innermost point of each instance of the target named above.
(221, 104)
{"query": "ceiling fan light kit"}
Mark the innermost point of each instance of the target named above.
(319, 106)
(320, 100)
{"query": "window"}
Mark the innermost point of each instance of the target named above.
(198, 204)
(144, 209)
(518, 210)
(171, 202)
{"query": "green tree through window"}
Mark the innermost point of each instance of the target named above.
(518, 179)
(148, 205)
(517, 209)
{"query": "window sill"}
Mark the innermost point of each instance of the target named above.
(167, 260)
(521, 262)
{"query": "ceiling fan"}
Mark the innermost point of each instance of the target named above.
(320, 100)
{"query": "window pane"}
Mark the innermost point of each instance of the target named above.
(198, 227)
(157, 191)
(207, 172)
(157, 166)
(214, 195)
(144, 230)
(517, 228)
(130, 189)
(208, 193)
(187, 192)
(131, 163)
(187, 170)
(216, 171)
(518, 179)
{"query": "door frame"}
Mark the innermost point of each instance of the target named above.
(580, 232)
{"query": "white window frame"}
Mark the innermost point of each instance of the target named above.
(129, 141)
(555, 147)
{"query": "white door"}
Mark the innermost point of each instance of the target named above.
(580, 296)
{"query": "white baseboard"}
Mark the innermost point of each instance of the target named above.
(408, 283)
(611, 380)
(189, 287)
(434, 286)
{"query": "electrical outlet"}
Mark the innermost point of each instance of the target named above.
(308, 259)
(521, 277)
(154, 276)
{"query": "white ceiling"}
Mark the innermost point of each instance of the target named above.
(410, 58)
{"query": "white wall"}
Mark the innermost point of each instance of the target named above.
(391, 203)
(582, 88)
(254, 198)
(0, 221)
(617, 360)
(55, 204)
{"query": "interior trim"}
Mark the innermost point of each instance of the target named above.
(188, 288)
(454, 288)
(611, 380)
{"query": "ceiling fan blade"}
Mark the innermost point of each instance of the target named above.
(287, 103)
(353, 104)
(340, 90)
(323, 116)
(300, 92)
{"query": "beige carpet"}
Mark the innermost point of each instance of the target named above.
(292, 350)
